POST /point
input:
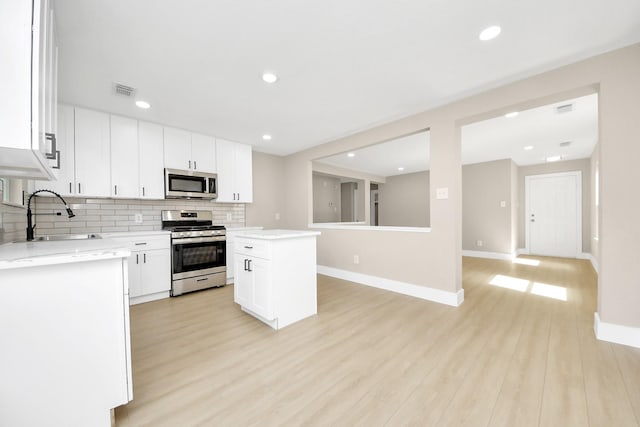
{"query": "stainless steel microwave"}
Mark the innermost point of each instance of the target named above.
(187, 184)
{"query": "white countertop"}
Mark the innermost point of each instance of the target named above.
(136, 233)
(236, 229)
(278, 234)
(31, 254)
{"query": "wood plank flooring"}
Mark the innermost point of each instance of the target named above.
(506, 357)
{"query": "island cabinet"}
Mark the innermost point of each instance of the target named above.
(275, 275)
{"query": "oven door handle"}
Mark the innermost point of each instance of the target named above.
(188, 240)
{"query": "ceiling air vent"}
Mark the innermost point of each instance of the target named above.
(566, 108)
(124, 90)
(565, 144)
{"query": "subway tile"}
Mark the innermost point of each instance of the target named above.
(140, 228)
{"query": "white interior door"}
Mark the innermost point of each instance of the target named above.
(554, 214)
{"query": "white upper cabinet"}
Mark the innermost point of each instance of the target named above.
(92, 150)
(28, 88)
(177, 148)
(150, 140)
(189, 151)
(64, 169)
(124, 157)
(203, 153)
(235, 176)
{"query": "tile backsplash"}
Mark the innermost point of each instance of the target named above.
(106, 215)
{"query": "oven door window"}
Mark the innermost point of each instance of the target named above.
(187, 184)
(198, 256)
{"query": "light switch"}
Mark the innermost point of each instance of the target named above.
(277, 216)
(503, 204)
(229, 216)
(442, 193)
(138, 218)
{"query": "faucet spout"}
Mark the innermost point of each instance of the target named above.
(30, 226)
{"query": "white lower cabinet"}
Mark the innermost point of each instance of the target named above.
(231, 239)
(149, 265)
(275, 278)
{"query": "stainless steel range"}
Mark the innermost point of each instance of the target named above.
(198, 251)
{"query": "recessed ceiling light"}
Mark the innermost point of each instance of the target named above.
(143, 104)
(269, 77)
(528, 147)
(351, 154)
(401, 168)
(266, 137)
(553, 158)
(511, 114)
(490, 33)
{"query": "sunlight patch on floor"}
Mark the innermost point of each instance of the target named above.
(535, 288)
(527, 261)
(508, 282)
(549, 291)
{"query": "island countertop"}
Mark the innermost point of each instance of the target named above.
(277, 234)
(31, 254)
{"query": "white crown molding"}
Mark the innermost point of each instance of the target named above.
(453, 299)
(619, 334)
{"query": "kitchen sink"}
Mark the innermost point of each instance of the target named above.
(59, 237)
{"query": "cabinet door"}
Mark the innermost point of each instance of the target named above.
(262, 287)
(93, 165)
(177, 148)
(124, 157)
(225, 158)
(156, 271)
(243, 283)
(243, 173)
(203, 153)
(135, 282)
(150, 140)
(65, 173)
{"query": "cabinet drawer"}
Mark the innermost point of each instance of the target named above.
(142, 243)
(256, 248)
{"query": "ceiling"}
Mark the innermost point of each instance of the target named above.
(342, 66)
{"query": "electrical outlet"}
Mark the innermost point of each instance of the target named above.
(503, 204)
(229, 216)
(138, 218)
(356, 259)
(442, 193)
(479, 243)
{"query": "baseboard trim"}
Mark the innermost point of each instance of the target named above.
(148, 298)
(491, 255)
(591, 258)
(619, 334)
(522, 251)
(453, 299)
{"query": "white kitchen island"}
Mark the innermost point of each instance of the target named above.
(65, 356)
(275, 275)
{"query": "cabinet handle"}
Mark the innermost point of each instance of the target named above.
(142, 191)
(248, 247)
(70, 188)
(137, 258)
(140, 244)
(51, 137)
(57, 166)
(79, 189)
(202, 280)
(245, 264)
(189, 164)
(195, 165)
(249, 265)
(144, 258)
(115, 190)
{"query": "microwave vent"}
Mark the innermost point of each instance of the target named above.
(124, 90)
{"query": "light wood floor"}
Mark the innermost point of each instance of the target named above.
(374, 358)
